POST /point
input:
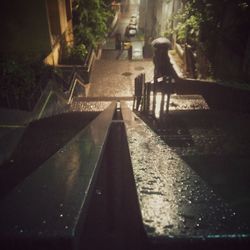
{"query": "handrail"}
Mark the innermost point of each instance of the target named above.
(89, 58)
(49, 206)
(76, 79)
(41, 107)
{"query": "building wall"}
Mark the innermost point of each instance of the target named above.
(59, 14)
(35, 28)
(24, 27)
(142, 13)
(148, 15)
(155, 16)
(158, 14)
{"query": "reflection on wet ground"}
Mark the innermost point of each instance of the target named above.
(116, 78)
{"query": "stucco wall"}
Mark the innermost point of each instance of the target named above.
(60, 28)
(54, 55)
(63, 15)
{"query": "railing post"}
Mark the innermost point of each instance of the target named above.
(141, 91)
(144, 93)
(138, 92)
(154, 94)
(135, 94)
(162, 104)
(148, 91)
(168, 90)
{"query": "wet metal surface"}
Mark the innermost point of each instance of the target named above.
(49, 203)
(175, 202)
(127, 74)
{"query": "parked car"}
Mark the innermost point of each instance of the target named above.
(133, 20)
(131, 30)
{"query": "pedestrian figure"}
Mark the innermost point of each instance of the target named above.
(163, 69)
(161, 60)
(118, 41)
(163, 66)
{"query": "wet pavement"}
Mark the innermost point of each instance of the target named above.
(116, 78)
(114, 74)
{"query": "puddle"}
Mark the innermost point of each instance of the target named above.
(127, 74)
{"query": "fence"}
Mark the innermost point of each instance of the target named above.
(145, 93)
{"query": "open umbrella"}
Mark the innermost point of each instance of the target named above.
(161, 42)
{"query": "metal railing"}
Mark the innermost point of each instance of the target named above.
(143, 90)
(64, 92)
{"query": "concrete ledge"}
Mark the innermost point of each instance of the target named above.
(179, 210)
(218, 95)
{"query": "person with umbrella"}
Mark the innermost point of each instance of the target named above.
(161, 60)
(163, 69)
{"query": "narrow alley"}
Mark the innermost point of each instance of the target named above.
(101, 172)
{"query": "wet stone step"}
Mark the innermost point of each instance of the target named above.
(177, 205)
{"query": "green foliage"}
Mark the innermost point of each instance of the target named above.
(208, 21)
(207, 24)
(75, 54)
(91, 21)
(188, 26)
(78, 51)
(20, 76)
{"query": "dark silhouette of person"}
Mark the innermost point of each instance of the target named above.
(163, 66)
